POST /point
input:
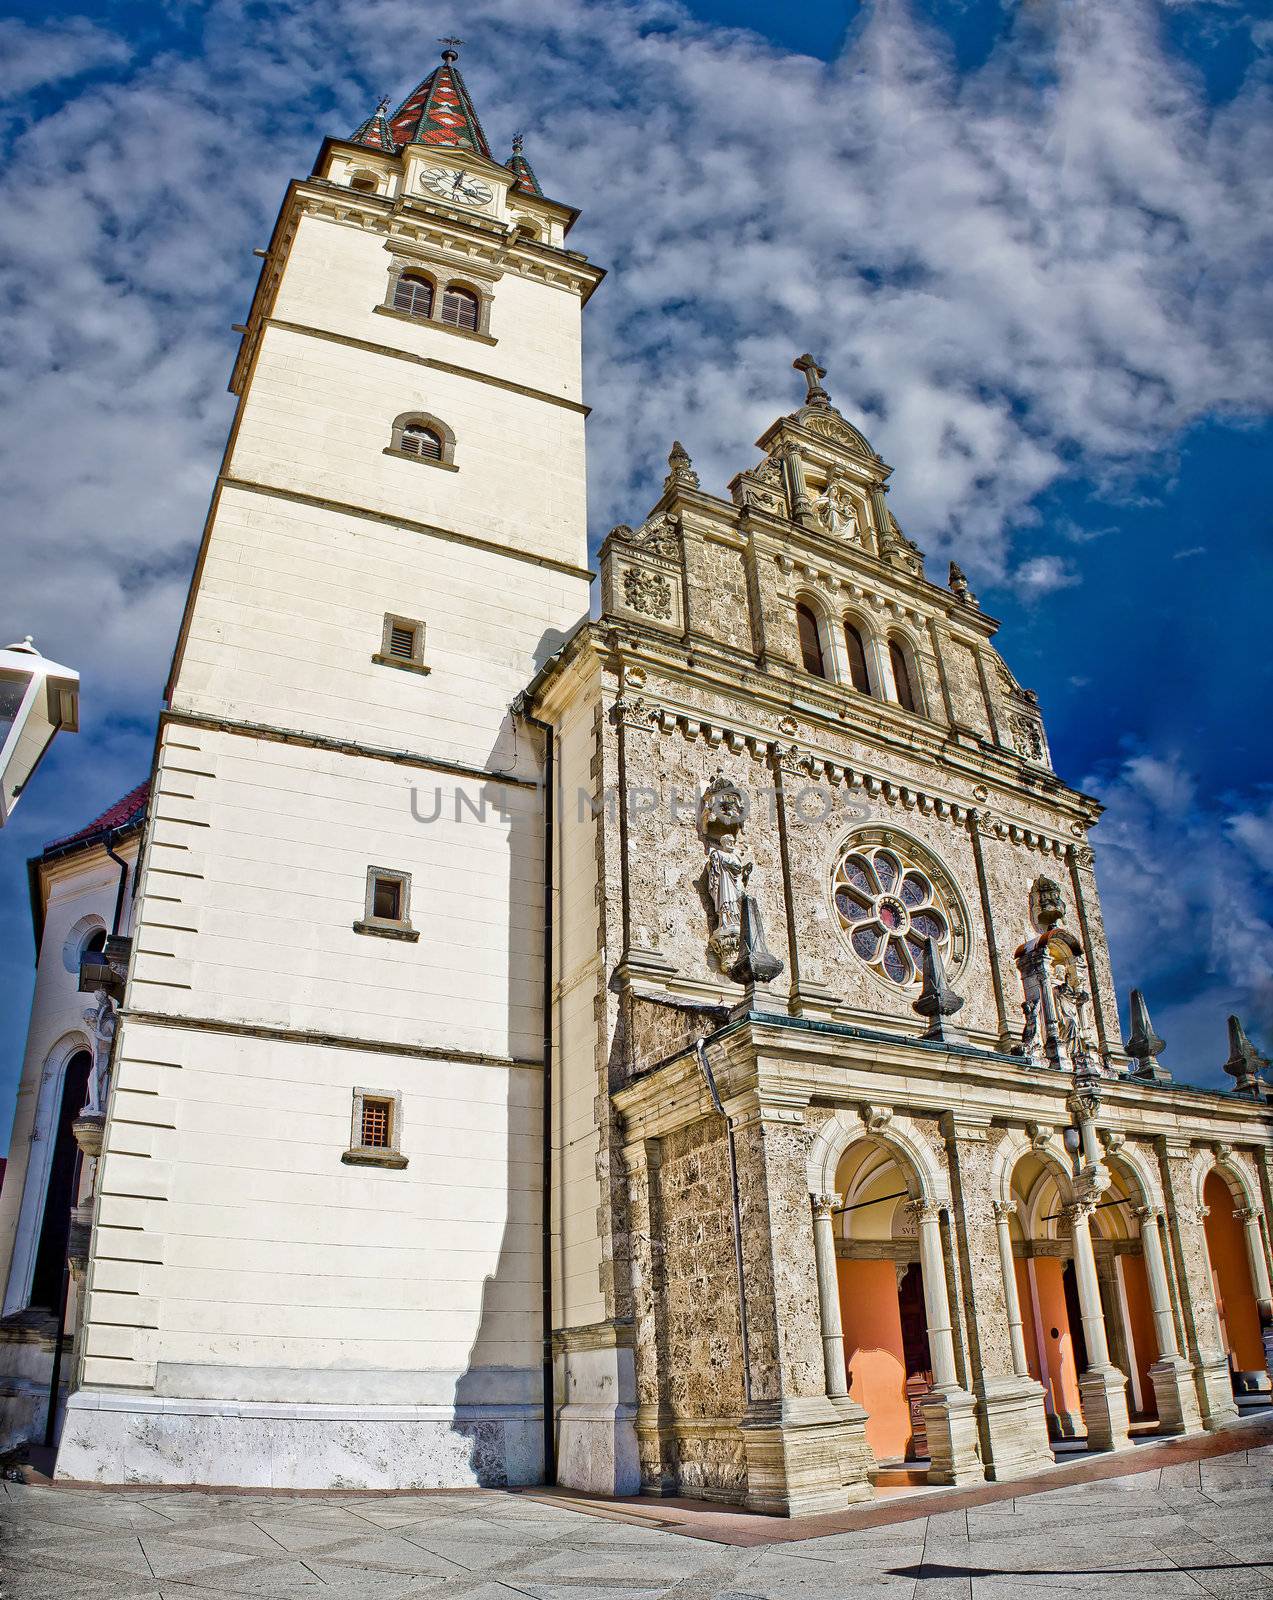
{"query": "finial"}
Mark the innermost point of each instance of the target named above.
(1144, 1044)
(937, 1000)
(451, 52)
(813, 376)
(756, 965)
(517, 144)
(383, 108)
(1245, 1061)
(680, 468)
(959, 587)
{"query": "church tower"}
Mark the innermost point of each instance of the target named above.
(315, 1251)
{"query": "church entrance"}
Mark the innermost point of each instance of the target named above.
(882, 1307)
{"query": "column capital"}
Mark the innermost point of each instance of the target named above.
(1004, 1209)
(825, 1205)
(1248, 1213)
(925, 1210)
(1148, 1214)
(1080, 1210)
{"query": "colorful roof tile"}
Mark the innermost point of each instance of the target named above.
(523, 173)
(375, 132)
(125, 813)
(439, 112)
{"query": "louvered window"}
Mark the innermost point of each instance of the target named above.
(902, 677)
(402, 640)
(460, 309)
(376, 1124)
(418, 440)
(413, 294)
(421, 442)
(858, 675)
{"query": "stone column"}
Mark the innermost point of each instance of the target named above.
(1204, 1345)
(1103, 1387)
(1249, 1217)
(1171, 1375)
(655, 1434)
(824, 1207)
(801, 1451)
(1010, 1412)
(1005, 1210)
(949, 1411)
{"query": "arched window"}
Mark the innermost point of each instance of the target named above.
(460, 309)
(858, 675)
(413, 293)
(96, 941)
(419, 440)
(810, 642)
(902, 677)
(59, 1196)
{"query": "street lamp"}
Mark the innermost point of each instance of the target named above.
(37, 697)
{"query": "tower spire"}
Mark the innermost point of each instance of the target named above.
(523, 173)
(439, 111)
(375, 132)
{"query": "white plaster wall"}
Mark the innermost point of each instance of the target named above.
(291, 610)
(256, 873)
(81, 890)
(237, 1258)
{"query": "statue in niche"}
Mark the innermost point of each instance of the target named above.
(727, 875)
(101, 1020)
(737, 938)
(837, 512)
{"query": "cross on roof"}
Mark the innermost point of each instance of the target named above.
(813, 376)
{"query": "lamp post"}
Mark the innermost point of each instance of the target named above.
(37, 697)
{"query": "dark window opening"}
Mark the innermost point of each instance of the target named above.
(386, 899)
(810, 642)
(417, 440)
(858, 675)
(901, 677)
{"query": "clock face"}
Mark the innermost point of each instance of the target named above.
(459, 187)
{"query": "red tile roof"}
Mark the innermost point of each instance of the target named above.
(124, 813)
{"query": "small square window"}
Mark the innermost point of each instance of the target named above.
(375, 1135)
(376, 1120)
(387, 907)
(402, 644)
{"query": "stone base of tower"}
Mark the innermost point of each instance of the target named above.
(597, 1447)
(110, 1437)
(1215, 1393)
(796, 1452)
(1175, 1395)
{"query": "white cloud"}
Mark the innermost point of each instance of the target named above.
(1042, 575)
(1193, 550)
(1185, 907)
(32, 58)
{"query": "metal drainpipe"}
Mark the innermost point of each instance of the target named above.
(546, 1156)
(123, 880)
(700, 1050)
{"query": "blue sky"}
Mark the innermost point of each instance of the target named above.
(1030, 242)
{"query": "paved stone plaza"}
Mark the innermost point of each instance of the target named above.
(1194, 1528)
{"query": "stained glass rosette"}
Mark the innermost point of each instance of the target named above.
(888, 909)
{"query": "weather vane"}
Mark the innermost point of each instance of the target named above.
(452, 46)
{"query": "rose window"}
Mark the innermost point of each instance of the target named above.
(888, 909)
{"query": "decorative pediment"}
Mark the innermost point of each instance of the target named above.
(832, 426)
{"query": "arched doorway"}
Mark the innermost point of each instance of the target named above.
(59, 1195)
(1047, 1289)
(882, 1304)
(1229, 1252)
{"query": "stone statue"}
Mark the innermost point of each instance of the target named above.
(837, 512)
(727, 875)
(101, 1020)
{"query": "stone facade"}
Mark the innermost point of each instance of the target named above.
(783, 1139)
